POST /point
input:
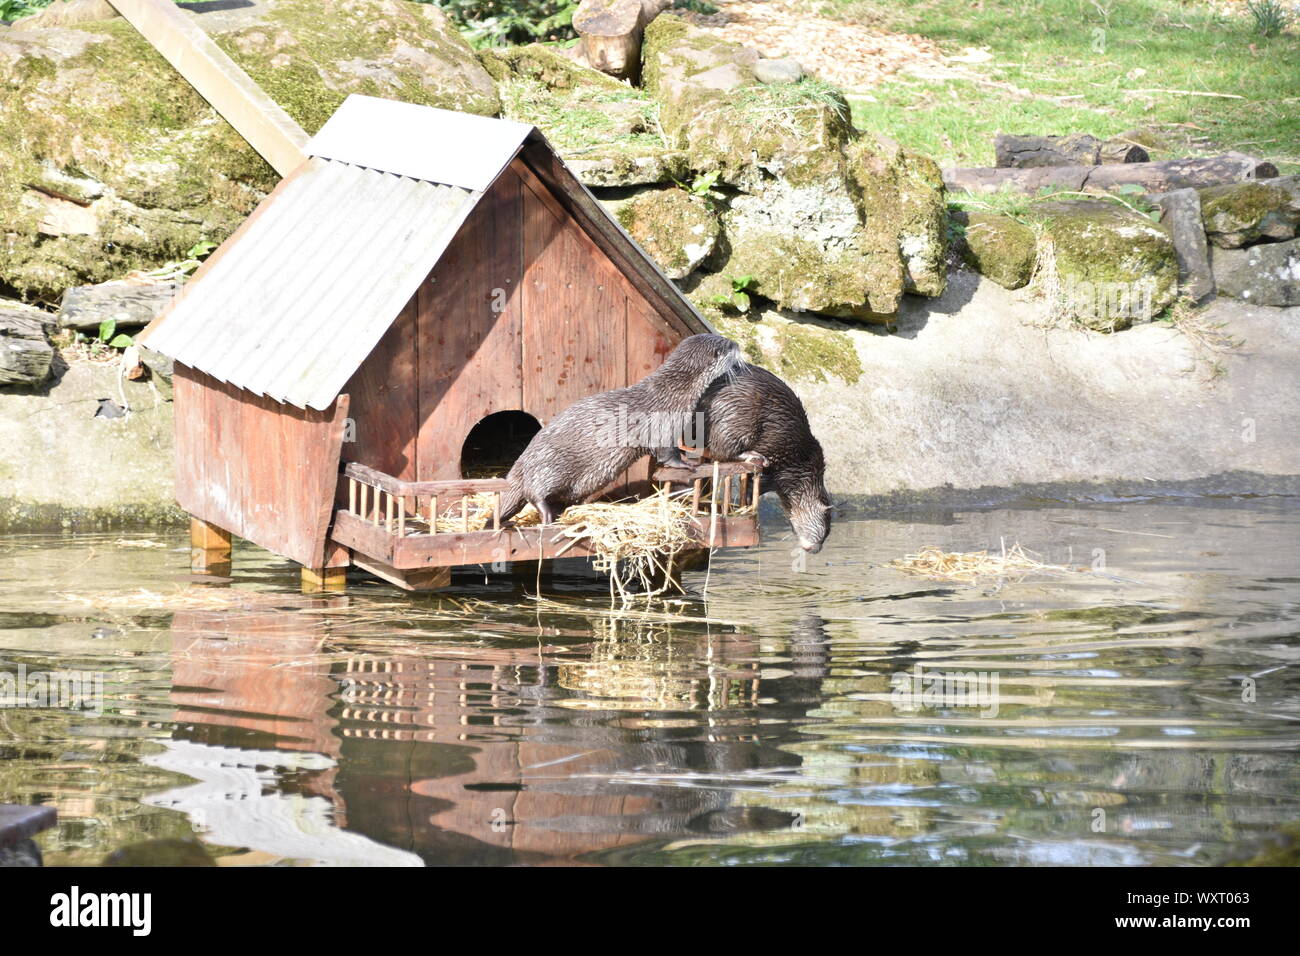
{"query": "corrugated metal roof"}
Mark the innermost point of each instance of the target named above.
(441, 146)
(293, 307)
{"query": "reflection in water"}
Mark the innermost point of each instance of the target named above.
(1146, 714)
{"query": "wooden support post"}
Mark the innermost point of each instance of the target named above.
(209, 549)
(413, 579)
(318, 580)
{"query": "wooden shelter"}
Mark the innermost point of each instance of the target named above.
(409, 305)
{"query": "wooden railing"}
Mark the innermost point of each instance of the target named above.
(417, 507)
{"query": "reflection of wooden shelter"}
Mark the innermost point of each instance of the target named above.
(458, 757)
(422, 276)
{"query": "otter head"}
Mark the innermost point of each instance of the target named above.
(805, 500)
(810, 517)
(705, 357)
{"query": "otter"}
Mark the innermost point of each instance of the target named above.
(754, 416)
(595, 439)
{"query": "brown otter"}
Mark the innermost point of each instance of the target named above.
(595, 439)
(754, 416)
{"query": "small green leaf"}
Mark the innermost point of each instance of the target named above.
(201, 250)
(121, 341)
(106, 329)
(741, 300)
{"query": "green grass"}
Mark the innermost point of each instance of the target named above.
(1064, 66)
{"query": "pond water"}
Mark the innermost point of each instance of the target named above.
(1143, 710)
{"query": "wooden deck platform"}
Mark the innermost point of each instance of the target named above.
(396, 523)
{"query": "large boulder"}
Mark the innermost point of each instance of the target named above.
(678, 230)
(821, 217)
(110, 162)
(1238, 214)
(1266, 274)
(1108, 264)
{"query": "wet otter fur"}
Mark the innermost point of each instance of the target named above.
(582, 450)
(755, 416)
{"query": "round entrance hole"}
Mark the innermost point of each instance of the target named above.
(495, 442)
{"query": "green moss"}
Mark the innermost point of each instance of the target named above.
(809, 353)
(662, 34)
(799, 274)
(676, 229)
(901, 195)
(798, 127)
(1111, 265)
(1236, 214)
(999, 247)
(547, 66)
(795, 350)
(115, 114)
(309, 59)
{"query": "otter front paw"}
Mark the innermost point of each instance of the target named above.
(754, 458)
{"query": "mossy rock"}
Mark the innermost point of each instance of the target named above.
(855, 281)
(796, 350)
(824, 219)
(1238, 214)
(1111, 264)
(309, 55)
(678, 230)
(607, 130)
(148, 168)
(546, 65)
(999, 247)
(902, 195)
(712, 106)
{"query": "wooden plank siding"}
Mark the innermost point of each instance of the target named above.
(524, 312)
(470, 318)
(385, 402)
(260, 469)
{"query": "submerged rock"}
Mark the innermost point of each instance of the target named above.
(1238, 214)
(679, 231)
(1112, 265)
(109, 161)
(165, 852)
(1266, 274)
(999, 247)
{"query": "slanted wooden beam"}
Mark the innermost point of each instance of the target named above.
(219, 80)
